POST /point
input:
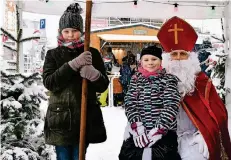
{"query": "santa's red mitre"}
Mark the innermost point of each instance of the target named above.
(177, 34)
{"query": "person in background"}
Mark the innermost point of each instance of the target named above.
(63, 71)
(125, 75)
(151, 106)
(204, 55)
(109, 61)
(127, 69)
(131, 59)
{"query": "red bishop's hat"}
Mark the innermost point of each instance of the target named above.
(177, 34)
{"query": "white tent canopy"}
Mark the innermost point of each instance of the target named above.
(125, 8)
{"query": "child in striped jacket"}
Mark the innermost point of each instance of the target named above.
(151, 106)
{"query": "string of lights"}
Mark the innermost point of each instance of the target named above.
(184, 4)
(174, 4)
(136, 2)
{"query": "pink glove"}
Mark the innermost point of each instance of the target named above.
(90, 73)
(83, 59)
(139, 134)
(154, 135)
(202, 146)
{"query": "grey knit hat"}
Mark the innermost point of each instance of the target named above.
(71, 18)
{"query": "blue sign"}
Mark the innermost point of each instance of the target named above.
(42, 23)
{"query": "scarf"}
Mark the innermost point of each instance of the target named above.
(69, 44)
(147, 74)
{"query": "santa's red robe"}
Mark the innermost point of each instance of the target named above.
(208, 113)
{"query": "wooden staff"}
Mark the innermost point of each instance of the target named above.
(82, 147)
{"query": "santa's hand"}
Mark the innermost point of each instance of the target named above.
(139, 134)
(154, 135)
(203, 148)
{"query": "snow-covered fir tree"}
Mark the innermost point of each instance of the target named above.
(218, 73)
(213, 64)
(21, 119)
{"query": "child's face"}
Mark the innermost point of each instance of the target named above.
(150, 63)
(71, 34)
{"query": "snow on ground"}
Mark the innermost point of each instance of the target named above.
(43, 107)
(115, 122)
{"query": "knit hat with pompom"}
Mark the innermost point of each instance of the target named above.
(71, 18)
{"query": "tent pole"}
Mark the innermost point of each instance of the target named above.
(2, 22)
(82, 145)
(228, 60)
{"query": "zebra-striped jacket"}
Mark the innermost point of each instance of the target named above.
(153, 100)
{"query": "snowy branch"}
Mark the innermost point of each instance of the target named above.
(31, 78)
(222, 56)
(11, 70)
(11, 120)
(20, 143)
(5, 77)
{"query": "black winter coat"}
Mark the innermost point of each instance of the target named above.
(62, 122)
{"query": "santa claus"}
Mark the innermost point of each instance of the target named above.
(202, 121)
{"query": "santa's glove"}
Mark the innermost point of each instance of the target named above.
(203, 148)
(90, 73)
(139, 134)
(154, 135)
(83, 59)
(209, 68)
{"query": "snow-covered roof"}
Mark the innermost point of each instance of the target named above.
(202, 37)
(191, 9)
(124, 26)
(127, 38)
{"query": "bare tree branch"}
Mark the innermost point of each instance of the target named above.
(222, 27)
(218, 39)
(28, 39)
(8, 47)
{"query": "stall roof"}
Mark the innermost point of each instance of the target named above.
(164, 9)
(124, 26)
(127, 38)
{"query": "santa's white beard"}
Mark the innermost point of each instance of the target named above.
(185, 70)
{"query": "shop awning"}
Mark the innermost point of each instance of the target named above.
(127, 38)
